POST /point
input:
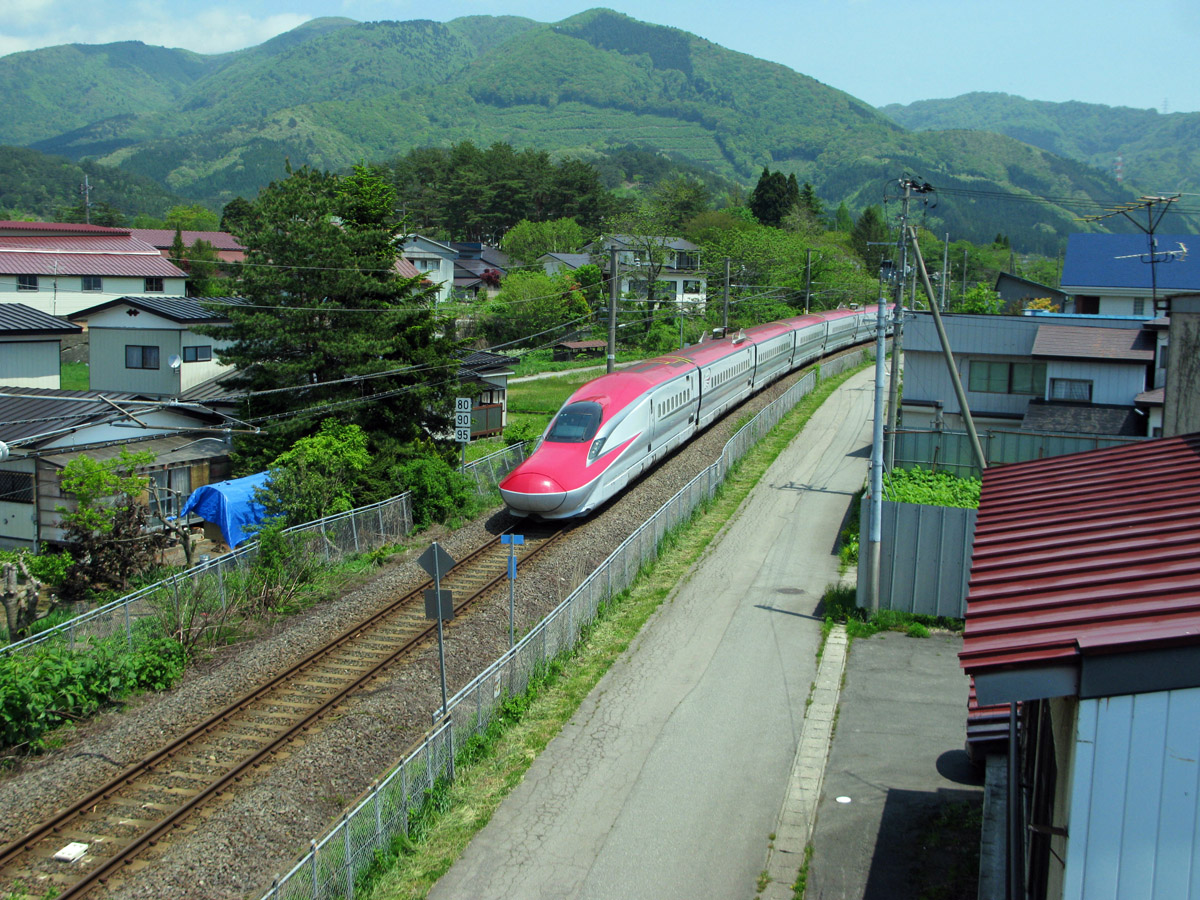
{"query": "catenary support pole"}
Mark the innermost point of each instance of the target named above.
(725, 314)
(614, 283)
(875, 532)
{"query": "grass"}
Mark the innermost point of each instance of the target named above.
(74, 376)
(946, 866)
(500, 763)
(800, 885)
(840, 605)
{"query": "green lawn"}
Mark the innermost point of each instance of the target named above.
(74, 377)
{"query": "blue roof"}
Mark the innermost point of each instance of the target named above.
(1115, 261)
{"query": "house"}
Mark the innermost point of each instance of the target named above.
(1084, 609)
(434, 261)
(60, 269)
(146, 345)
(43, 430)
(680, 265)
(490, 372)
(31, 346)
(226, 246)
(1047, 372)
(1017, 292)
(478, 269)
(1111, 274)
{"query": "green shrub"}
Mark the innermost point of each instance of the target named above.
(931, 488)
(523, 430)
(438, 491)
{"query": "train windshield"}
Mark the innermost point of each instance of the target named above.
(576, 423)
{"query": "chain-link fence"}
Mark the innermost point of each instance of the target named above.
(335, 862)
(330, 540)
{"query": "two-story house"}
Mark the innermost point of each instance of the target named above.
(147, 346)
(678, 261)
(478, 269)
(60, 269)
(31, 346)
(1046, 372)
(434, 261)
(1112, 274)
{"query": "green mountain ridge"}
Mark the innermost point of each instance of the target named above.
(334, 92)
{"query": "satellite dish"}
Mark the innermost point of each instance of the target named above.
(174, 362)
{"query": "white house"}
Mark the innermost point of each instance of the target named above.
(31, 346)
(680, 271)
(1084, 609)
(146, 345)
(434, 261)
(60, 269)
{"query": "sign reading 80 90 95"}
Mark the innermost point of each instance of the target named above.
(462, 420)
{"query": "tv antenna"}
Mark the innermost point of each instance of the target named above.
(1155, 208)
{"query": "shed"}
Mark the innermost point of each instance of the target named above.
(31, 346)
(565, 350)
(1084, 608)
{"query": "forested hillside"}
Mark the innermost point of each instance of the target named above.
(335, 92)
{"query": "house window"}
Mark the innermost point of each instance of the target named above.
(141, 357)
(173, 487)
(1162, 355)
(691, 287)
(685, 260)
(154, 285)
(1076, 390)
(1139, 306)
(27, 282)
(16, 487)
(1087, 306)
(197, 354)
(1007, 378)
(93, 283)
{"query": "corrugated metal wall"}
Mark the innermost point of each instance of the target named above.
(925, 558)
(1133, 822)
(950, 451)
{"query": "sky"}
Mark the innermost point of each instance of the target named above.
(1114, 52)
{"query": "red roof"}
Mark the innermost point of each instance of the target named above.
(110, 253)
(11, 227)
(1083, 555)
(164, 238)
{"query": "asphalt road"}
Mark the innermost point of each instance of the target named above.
(669, 779)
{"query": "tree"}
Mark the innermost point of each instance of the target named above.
(317, 477)
(869, 238)
(979, 300)
(237, 212)
(534, 305)
(331, 321)
(98, 213)
(192, 217)
(680, 199)
(770, 200)
(528, 241)
(106, 530)
(842, 220)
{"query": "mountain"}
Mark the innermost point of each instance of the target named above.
(1161, 153)
(335, 92)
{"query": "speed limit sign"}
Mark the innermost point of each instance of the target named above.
(462, 435)
(462, 404)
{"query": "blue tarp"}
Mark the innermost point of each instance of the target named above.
(229, 504)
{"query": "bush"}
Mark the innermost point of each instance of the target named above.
(438, 491)
(517, 432)
(931, 488)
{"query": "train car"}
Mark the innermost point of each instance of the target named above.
(622, 424)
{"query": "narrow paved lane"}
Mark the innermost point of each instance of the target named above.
(669, 779)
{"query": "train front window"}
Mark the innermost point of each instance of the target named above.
(576, 423)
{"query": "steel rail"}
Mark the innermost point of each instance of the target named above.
(174, 819)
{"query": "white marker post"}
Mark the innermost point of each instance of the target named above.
(462, 424)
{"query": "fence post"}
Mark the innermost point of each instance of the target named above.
(354, 530)
(325, 540)
(128, 628)
(382, 536)
(316, 877)
(349, 857)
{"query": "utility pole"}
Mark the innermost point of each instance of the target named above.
(898, 329)
(86, 190)
(875, 529)
(945, 271)
(725, 314)
(612, 310)
(807, 278)
(1154, 257)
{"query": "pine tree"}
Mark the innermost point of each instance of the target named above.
(769, 202)
(869, 235)
(328, 312)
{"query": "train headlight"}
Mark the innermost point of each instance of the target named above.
(597, 446)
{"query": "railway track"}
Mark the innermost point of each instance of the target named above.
(103, 836)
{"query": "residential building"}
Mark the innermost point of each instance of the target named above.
(1046, 372)
(1084, 609)
(60, 269)
(1111, 274)
(1017, 292)
(490, 372)
(680, 271)
(224, 244)
(31, 346)
(478, 269)
(43, 430)
(434, 261)
(146, 345)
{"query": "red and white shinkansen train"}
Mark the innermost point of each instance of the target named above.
(618, 426)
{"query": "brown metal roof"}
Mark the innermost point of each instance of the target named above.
(582, 345)
(113, 254)
(1077, 342)
(164, 238)
(19, 319)
(1082, 557)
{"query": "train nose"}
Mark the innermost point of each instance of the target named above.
(532, 492)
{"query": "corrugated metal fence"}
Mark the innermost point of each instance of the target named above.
(924, 558)
(333, 864)
(950, 451)
(330, 539)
